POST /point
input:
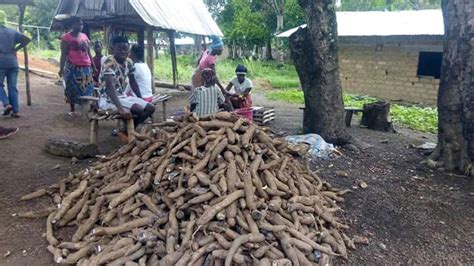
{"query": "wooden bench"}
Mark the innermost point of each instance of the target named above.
(90, 111)
(163, 99)
(349, 112)
(103, 115)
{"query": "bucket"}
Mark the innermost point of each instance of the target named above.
(245, 113)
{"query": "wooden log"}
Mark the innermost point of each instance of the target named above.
(68, 148)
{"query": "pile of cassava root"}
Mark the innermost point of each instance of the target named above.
(211, 191)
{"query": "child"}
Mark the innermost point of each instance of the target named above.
(97, 62)
(206, 99)
(242, 87)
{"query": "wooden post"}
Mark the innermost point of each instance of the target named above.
(94, 131)
(141, 37)
(171, 35)
(198, 44)
(164, 110)
(22, 9)
(106, 41)
(130, 130)
(38, 36)
(150, 59)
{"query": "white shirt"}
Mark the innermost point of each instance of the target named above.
(241, 87)
(143, 77)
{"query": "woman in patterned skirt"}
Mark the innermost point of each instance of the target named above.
(76, 64)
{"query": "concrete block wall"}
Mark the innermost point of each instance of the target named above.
(387, 72)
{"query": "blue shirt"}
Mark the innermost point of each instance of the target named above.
(8, 40)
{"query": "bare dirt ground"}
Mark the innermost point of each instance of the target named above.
(411, 214)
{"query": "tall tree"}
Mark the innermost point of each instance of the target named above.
(391, 5)
(455, 149)
(278, 7)
(314, 50)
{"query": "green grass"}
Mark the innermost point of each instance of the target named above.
(279, 75)
(420, 118)
(423, 119)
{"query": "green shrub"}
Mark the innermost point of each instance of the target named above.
(423, 119)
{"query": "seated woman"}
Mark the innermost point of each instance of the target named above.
(207, 99)
(116, 74)
(142, 74)
(242, 87)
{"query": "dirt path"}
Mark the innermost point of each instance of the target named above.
(410, 213)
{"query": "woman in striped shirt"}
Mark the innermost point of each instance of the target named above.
(207, 99)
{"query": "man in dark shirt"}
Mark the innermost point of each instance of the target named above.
(10, 42)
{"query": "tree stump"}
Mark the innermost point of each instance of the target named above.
(376, 116)
(69, 148)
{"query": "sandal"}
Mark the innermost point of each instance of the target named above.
(15, 115)
(6, 132)
(72, 114)
(8, 110)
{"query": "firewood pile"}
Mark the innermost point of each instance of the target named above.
(211, 191)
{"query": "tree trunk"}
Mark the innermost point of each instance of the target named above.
(455, 149)
(314, 51)
(268, 50)
(376, 116)
(280, 20)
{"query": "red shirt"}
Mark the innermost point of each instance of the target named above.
(77, 49)
(207, 60)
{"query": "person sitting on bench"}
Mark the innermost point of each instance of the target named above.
(117, 73)
(142, 74)
(242, 87)
(207, 99)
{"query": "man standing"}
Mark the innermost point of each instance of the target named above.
(10, 42)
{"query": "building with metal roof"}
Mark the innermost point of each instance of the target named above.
(390, 55)
(381, 23)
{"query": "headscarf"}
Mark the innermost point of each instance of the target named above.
(216, 42)
(208, 76)
(3, 18)
(241, 69)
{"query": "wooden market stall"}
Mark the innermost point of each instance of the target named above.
(140, 16)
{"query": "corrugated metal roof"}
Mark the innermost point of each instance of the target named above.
(380, 23)
(17, 2)
(188, 16)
